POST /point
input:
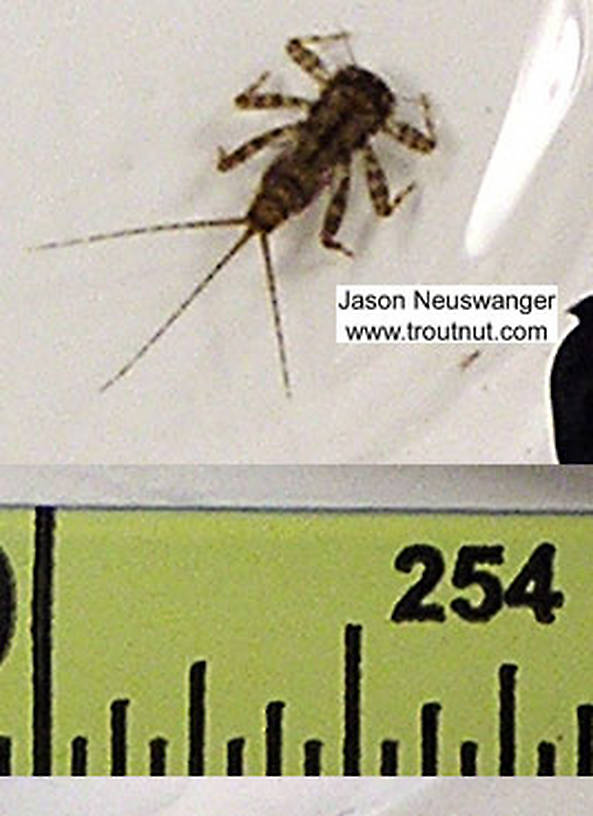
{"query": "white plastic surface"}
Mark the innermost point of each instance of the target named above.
(331, 796)
(113, 113)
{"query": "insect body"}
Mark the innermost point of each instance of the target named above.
(353, 106)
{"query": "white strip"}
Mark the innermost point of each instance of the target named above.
(330, 796)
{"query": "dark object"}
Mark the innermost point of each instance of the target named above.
(571, 385)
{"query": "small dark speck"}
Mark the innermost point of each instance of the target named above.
(469, 359)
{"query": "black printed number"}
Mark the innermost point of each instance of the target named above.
(410, 607)
(537, 571)
(7, 604)
(531, 588)
(466, 574)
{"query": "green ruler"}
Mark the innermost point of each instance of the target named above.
(286, 643)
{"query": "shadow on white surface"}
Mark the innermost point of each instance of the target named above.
(544, 489)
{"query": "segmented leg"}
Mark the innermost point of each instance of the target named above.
(335, 212)
(249, 98)
(226, 161)
(307, 59)
(412, 137)
(377, 185)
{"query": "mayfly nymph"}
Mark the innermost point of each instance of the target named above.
(317, 151)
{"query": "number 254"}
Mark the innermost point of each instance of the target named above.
(532, 586)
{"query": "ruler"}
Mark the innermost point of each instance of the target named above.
(137, 642)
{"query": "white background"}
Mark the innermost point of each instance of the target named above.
(113, 113)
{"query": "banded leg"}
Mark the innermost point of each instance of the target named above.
(335, 212)
(377, 184)
(249, 99)
(411, 137)
(307, 59)
(226, 161)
